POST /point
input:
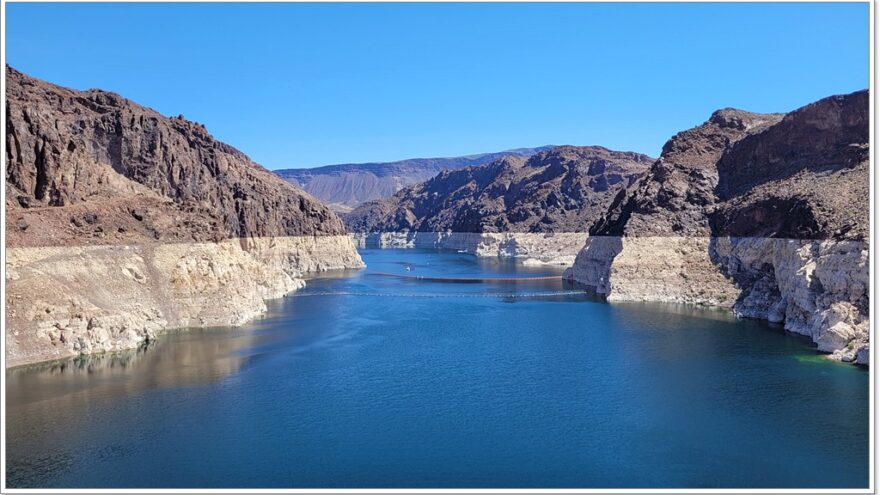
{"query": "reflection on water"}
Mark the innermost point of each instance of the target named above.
(48, 405)
(368, 381)
(178, 359)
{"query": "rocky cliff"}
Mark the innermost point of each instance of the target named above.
(766, 214)
(122, 222)
(346, 186)
(540, 207)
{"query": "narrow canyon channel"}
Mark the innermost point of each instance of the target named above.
(422, 370)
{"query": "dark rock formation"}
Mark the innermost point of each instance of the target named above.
(672, 200)
(804, 178)
(561, 190)
(766, 214)
(345, 186)
(803, 175)
(91, 166)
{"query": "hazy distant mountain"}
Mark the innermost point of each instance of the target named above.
(345, 186)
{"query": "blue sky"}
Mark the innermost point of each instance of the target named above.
(296, 85)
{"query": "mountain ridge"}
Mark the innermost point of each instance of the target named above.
(344, 186)
(556, 190)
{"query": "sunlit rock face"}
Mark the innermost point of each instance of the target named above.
(561, 190)
(530, 248)
(123, 222)
(766, 214)
(538, 209)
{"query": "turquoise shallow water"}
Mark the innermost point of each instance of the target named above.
(366, 380)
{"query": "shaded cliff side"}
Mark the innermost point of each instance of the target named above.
(766, 214)
(122, 222)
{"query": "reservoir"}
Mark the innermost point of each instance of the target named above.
(424, 370)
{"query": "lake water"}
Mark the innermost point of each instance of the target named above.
(369, 380)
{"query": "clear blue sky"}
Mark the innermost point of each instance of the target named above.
(296, 85)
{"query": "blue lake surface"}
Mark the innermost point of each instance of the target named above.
(369, 380)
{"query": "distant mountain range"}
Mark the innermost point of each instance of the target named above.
(564, 189)
(343, 187)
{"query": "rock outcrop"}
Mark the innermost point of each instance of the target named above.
(538, 208)
(343, 187)
(765, 214)
(560, 190)
(122, 222)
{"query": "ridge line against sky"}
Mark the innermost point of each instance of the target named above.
(307, 85)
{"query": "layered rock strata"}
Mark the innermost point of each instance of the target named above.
(122, 223)
(764, 214)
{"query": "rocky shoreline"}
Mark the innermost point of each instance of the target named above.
(531, 248)
(123, 222)
(764, 214)
(815, 288)
(66, 301)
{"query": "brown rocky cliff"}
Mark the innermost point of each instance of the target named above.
(122, 223)
(765, 214)
(801, 175)
(560, 190)
(673, 198)
(806, 177)
(93, 167)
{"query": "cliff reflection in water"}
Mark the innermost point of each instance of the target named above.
(177, 359)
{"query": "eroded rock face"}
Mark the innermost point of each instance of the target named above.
(803, 178)
(673, 198)
(662, 269)
(64, 301)
(767, 214)
(153, 176)
(561, 190)
(817, 288)
(123, 222)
